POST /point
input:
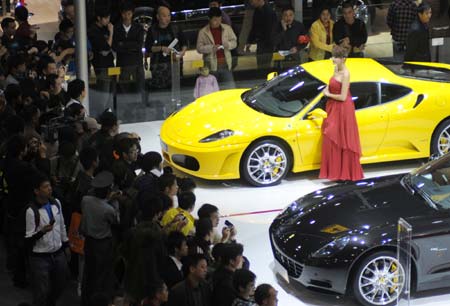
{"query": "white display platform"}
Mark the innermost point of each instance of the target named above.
(233, 197)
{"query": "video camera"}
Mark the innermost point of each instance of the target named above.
(51, 130)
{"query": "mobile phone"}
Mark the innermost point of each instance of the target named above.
(52, 221)
(183, 218)
(228, 223)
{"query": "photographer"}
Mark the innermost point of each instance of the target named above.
(229, 232)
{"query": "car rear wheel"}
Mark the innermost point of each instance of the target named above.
(379, 280)
(265, 163)
(440, 144)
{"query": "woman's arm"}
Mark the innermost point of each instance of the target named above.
(344, 89)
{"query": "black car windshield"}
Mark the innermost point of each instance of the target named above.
(285, 95)
(432, 181)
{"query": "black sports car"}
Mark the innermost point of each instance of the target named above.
(344, 238)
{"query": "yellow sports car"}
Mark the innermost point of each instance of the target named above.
(261, 134)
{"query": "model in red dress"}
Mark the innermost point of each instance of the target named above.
(341, 149)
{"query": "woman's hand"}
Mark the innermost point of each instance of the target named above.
(326, 92)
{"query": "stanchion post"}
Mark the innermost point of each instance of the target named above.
(81, 53)
(115, 73)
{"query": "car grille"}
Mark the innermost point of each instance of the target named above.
(293, 268)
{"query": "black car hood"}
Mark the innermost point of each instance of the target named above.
(358, 206)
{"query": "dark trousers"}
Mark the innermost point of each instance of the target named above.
(398, 49)
(102, 96)
(224, 77)
(264, 54)
(48, 274)
(132, 79)
(98, 273)
(16, 254)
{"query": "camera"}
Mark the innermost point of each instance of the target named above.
(228, 223)
(50, 131)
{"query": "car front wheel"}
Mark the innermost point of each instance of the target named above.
(265, 163)
(379, 280)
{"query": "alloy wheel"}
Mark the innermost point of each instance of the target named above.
(444, 141)
(267, 164)
(381, 280)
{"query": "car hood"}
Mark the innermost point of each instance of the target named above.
(217, 112)
(348, 208)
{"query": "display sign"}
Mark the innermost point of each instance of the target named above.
(438, 41)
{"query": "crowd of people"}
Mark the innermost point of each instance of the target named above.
(78, 195)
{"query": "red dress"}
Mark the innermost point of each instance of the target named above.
(341, 148)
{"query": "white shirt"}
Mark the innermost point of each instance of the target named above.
(51, 241)
(72, 101)
(156, 172)
(126, 28)
(177, 262)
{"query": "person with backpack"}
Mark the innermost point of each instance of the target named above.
(47, 240)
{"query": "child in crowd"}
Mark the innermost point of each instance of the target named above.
(205, 84)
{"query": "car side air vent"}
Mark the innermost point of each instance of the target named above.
(419, 100)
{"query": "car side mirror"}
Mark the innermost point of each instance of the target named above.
(272, 75)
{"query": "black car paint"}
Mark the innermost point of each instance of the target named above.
(369, 210)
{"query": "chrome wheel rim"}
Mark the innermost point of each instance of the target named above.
(267, 164)
(444, 141)
(381, 280)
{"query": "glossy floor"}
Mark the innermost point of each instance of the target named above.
(232, 197)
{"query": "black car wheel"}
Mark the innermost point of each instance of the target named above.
(265, 163)
(379, 280)
(440, 143)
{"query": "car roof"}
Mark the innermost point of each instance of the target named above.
(361, 69)
(366, 69)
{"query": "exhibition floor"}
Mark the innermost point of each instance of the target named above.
(233, 197)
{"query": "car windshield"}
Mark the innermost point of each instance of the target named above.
(432, 181)
(285, 95)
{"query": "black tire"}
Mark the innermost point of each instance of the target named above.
(435, 140)
(362, 293)
(276, 165)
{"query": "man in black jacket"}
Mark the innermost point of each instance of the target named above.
(193, 291)
(128, 41)
(223, 289)
(350, 32)
(178, 248)
(160, 36)
(264, 19)
(418, 41)
(286, 35)
(100, 35)
(18, 175)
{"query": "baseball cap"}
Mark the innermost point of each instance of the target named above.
(103, 179)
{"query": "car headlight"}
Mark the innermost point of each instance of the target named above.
(217, 136)
(291, 208)
(332, 248)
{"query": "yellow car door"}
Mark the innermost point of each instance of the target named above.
(411, 122)
(372, 121)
